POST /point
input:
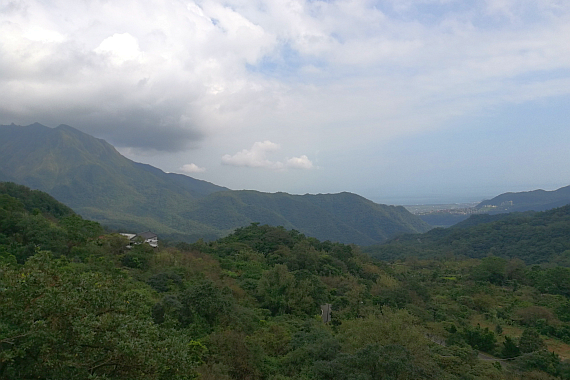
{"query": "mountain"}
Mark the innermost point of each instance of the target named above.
(92, 178)
(536, 200)
(534, 237)
(343, 217)
(97, 182)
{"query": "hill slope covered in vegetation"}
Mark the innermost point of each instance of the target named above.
(91, 177)
(536, 200)
(248, 306)
(534, 237)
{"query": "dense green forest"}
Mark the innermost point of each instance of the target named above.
(75, 303)
(536, 200)
(534, 237)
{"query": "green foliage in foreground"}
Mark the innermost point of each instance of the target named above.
(247, 307)
(59, 321)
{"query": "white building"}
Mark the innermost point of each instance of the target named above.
(148, 237)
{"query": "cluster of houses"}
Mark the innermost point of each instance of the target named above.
(144, 237)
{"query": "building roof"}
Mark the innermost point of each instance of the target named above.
(147, 235)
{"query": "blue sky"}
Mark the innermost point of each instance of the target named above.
(400, 101)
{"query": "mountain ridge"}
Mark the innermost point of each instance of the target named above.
(534, 200)
(96, 181)
(535, 237)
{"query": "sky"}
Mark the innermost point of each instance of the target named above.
(400, 101)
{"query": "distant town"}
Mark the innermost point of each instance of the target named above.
(452, 208)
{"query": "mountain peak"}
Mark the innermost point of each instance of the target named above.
(35, 125)
(90, 176)
(66, 127)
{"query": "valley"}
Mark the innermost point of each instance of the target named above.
(284, 190)
(236, 283)
(247, 306)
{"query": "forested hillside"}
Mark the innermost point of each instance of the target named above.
(534, 237)
(342, 217)
(536, 200)
(91, 177)
(76, 303)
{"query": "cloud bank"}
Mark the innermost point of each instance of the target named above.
(197, 79)
(175, 72)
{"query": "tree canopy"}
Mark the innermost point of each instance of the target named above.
(75, 303)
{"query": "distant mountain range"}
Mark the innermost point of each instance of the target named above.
(534, 237)
(536, 200)
(92, 178)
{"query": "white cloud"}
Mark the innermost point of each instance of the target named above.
(120, 48)
(207, 68)
(302, 162)
(43, 35)
(336, 76)
(256, 157)
(192, 168)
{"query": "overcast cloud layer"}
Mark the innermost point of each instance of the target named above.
(377, 97)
